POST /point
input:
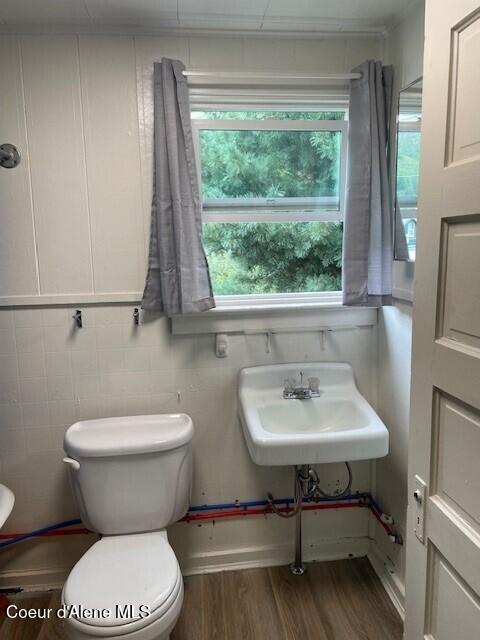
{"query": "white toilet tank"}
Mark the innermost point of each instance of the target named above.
(131, 474)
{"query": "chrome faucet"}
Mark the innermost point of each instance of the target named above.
(293, 391)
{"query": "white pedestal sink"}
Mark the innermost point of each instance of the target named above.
(337, 426)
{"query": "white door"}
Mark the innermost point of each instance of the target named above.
(443, 542)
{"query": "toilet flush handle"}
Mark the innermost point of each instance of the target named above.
(73, 463)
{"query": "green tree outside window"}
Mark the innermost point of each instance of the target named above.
(279, 257)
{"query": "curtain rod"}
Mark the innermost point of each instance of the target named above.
(270, 76)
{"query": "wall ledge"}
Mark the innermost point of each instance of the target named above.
(404, 295)
(70, 299)
(275, 319)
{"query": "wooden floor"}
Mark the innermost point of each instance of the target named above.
(342, 600)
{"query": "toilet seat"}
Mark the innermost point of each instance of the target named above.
(138, 569)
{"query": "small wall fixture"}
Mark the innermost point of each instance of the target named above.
(9, 156)
(268, 337)
(322, 339)
(77, 318)
(221, 345)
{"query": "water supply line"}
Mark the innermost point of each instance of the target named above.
(340, 494)
(297, 483)
(230, 510)
(59, 529)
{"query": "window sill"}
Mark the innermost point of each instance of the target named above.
(275, 317)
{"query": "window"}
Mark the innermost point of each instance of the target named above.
(408, 169)
(272, 185)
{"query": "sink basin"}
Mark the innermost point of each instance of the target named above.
(337, 426)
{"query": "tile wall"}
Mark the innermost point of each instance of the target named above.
(53, 374)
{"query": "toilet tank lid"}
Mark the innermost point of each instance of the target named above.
(128, 435)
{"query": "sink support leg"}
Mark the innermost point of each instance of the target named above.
(297, 567)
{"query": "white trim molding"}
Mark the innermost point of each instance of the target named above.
(70, 299)
(390, 581)
(230, 76)
(231, 559)
(280, 318)
(272, 555)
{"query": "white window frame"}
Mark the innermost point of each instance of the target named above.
(271, 209)
(230, 210)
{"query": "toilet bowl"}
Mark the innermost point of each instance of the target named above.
(131, 585)
(131, 478)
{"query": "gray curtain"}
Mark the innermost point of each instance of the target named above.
(178, 280)
(368, 226)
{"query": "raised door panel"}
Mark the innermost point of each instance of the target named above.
(464, 139)
(460, 282)
(455, 469)
(18, 263)
(56, 149)
(109, 98)
(453, 608)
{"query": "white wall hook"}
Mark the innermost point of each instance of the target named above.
(77, 318)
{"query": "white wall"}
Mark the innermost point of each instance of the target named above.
(53, 376)
(80, 109)
(404, 49)
(394, 355)
(75, 221)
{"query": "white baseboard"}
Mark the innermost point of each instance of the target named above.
(272, 555)
(34, 580)
(389, 579)
(209, 562)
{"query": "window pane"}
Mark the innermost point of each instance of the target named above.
(271, 164)
(408, 166)
(262, 257)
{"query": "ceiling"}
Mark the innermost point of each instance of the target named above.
(371, 16)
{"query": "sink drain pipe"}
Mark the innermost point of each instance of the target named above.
(306, 486)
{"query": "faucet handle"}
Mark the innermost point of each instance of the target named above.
(289, 385)
(314, 384)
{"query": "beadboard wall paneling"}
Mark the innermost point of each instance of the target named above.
(112, 152)
(86, 137)
(56, 149)
(17, 237)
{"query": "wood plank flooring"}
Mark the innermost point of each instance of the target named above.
(341, 600)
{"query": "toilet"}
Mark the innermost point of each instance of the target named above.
(131, 478)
